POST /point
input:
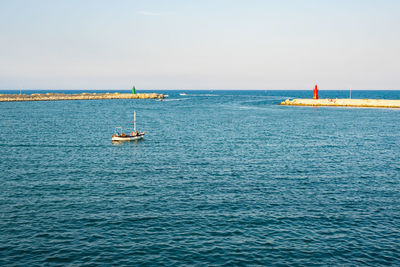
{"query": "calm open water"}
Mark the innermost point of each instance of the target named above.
(221, 178)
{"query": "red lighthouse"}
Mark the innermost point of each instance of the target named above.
(315, 92)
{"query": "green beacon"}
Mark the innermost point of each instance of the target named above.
(133, 90)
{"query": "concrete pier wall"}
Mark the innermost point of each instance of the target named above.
(83, 96)
(367, 103)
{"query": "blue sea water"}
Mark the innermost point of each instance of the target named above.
(221, 178)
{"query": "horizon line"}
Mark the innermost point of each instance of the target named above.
(190, 89)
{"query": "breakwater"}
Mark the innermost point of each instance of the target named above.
(82, 96)
(367, 103)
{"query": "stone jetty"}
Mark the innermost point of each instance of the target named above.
(366, 103)
(82, 96)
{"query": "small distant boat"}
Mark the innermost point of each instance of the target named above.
(182, 94)
(119, 134)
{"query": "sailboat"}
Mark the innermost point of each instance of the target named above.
(119, 134)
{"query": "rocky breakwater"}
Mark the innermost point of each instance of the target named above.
(366, 103)
(82, 96)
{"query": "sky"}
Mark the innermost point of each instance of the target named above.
(203, 44)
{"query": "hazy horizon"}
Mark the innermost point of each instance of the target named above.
(192, 89)
(221, 45)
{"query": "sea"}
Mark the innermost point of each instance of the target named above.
(222, 178)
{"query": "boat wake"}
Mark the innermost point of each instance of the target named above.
(203, 95)
(175, 99)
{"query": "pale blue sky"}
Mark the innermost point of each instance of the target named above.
(183, 44)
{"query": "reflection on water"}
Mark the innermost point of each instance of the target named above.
(128, 142)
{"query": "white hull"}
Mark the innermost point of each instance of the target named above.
(126, 138)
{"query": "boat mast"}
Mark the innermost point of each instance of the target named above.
(134, 120)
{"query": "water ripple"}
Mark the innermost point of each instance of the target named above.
(228, 180)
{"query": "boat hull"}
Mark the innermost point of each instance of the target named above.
(126, 138)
